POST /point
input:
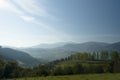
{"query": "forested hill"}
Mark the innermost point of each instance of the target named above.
(84, 63)
(21, 57)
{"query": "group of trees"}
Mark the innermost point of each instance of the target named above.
(79, 63)
(86, 68)
(9, 69)
(84, 63)
(104, 55)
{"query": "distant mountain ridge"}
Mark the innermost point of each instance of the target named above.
(93, 46)
(70, 48)
(51, 45)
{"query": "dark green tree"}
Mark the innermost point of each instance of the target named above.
(114, 55)
(41, 70)
(78, 69)
(104, 55)
(57, 71)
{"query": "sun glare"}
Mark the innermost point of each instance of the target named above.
(4, 4)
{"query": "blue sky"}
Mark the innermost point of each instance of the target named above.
(31, 22)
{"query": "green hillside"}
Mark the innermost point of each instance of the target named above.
(76, 64)
(78, 77)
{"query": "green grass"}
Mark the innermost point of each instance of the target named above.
(78, 77)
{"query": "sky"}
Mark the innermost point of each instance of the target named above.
(26, 23)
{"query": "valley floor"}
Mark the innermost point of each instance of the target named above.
(78, 77)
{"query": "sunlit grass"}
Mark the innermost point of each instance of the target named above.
(77, 77)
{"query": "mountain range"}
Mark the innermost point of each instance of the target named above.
(52, 52)
(48, 52)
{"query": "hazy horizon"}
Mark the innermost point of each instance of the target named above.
(25, 23)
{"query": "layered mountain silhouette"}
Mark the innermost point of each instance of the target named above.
(22, 58)
(49, 52)
(66, 49)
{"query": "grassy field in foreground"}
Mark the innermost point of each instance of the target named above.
(78, 77)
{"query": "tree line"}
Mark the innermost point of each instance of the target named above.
(78, 63)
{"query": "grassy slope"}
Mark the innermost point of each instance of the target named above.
(78, 77)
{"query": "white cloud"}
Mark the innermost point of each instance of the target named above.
(31, 7)
(25, 6)
(28, 18)
(45, 26)
(7, 5)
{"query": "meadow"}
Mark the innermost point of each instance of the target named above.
(78, 77)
